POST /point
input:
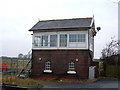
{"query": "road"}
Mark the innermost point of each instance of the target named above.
(50, 85)
(99, 84)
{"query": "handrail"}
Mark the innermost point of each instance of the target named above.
(29, 57)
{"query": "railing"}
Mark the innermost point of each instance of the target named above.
(26, 69)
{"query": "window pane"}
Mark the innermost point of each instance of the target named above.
(77, 38)
(71, 66)
(44, 40)
(37, 41)
(81, 38)
(53, 40)
(63, 40)
(72, 38)
(47, 66)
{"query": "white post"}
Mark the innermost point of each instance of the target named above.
(91, 72)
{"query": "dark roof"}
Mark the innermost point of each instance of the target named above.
(62, 24)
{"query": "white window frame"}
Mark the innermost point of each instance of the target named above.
(70, 45)
(63, 41)
(77, 38)
(56, 42)
(71, 68)
(37, 41)
(43, 43)
(48, 67)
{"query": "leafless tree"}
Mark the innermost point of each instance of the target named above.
(112, 48)
(110, 53)
(20, 56)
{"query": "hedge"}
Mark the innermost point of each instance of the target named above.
(113, 71)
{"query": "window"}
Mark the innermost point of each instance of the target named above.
(81, 37)
(37, 41)
(53, 40)
(63, 40)
(71, 66)
(44, 40)
(72, 38)
(41, 40)
(77, 38)
(47, 65)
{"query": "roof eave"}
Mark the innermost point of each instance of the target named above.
(59, 29)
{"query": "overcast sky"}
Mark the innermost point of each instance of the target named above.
(18, 16)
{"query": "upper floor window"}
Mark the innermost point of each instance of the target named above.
(63, 40)
(37, 41)
(41, 40)
(53, 40)
(44, 41)
(77, 38)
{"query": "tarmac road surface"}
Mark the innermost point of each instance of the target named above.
(99, 84)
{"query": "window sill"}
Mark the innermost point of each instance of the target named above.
(48, 71)
(71, 72)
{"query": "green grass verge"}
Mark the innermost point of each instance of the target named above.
(27, 82)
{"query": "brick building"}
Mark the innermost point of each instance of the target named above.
(63, 47)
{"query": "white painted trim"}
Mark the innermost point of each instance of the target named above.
(84, 45)
(64, 48)
(71, 72)
(49, 71)
(91, 40)
(92, 22)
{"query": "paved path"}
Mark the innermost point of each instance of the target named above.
(98, 84)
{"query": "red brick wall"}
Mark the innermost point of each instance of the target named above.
(59, 61)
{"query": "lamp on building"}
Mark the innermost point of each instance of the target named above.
(76, 60)
(98, 28)
(40, 59)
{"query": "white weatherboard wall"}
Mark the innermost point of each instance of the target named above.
(91, 40)
(70, 45)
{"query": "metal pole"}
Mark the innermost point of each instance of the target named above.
(17, 66)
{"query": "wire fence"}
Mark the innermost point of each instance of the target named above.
(16, 64)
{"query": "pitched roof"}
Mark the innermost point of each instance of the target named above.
(62, 24)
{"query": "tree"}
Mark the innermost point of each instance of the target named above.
(111, 49)
(20, 56)
(110, 53)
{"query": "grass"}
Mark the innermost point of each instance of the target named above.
(27, 82)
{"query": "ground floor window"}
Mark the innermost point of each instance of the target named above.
(71, 68)
(48, 67)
